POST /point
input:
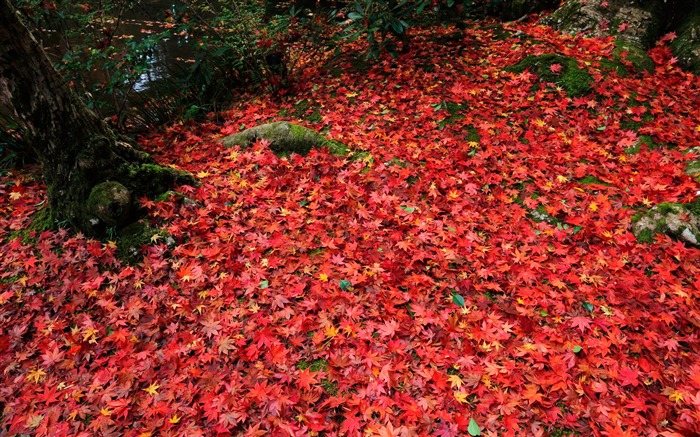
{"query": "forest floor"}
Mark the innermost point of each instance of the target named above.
(467, 270)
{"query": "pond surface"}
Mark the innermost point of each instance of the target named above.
(151, 18)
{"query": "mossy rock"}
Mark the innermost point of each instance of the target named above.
(574, 80)
(633, 53)
(285, 138)
(677, 220)
(686, 47)
(111, 203)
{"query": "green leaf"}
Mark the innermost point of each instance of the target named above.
(473, 428)
(408, 209)
(458, 299)
(577, 349)
(345, 284)
(264, 284)
(601, 128)
(577, 229)
(588, 306)
(544, 313)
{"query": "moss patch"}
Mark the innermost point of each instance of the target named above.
(285, 138)
(42, 220)
(676, 220)
(635, 55)
(574, 80)
(132, 238)
(314, 366)
(152, 179)
(590, 180)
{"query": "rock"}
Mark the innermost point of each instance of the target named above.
(285, 138)
(679, 221)
(635, 25)
(111, 203)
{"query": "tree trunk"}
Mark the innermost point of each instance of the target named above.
(92, 176)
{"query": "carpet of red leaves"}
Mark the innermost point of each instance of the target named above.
(405, 290)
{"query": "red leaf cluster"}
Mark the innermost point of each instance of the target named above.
(316, 295)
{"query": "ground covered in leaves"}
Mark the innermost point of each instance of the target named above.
(467, 269)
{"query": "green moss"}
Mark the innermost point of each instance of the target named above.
(648, 141)
(285, 138)
(574, 80)
(614, 65)
(300, 108)
(314, 366)
(111, 203)
(636, 55)
(318, 365)
(331, 387)
(563, 16)
(646, 236)
(499, 33)
(130, 240)
(454, 109)
(588, 180)
(562, 432)
(397, 162)
(667, 207)
(472, 134)
(694, 207)
(540, 214)
(152, 179)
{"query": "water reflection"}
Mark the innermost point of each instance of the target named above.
(168, 54)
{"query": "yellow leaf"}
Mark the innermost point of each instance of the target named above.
(323, 277)
(175, 419)
(155, 238)
(89, 333)
(203, 174)
(676, 397)
(562, 179)
(455, 381)
(152, 389)
(35, 420)
(15, 195)
(461, 397)
(106, 411)
(330, 331)
(593, 207)
(36, 375)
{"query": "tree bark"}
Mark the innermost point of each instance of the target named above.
(92, 176)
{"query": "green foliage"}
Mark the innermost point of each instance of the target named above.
(574, 80)
(377, 20)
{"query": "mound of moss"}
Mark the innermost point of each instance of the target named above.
(574, 80)
(285, 138)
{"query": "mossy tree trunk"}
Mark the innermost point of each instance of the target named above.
(92, 176)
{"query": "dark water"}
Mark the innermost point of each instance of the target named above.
(151, 18)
